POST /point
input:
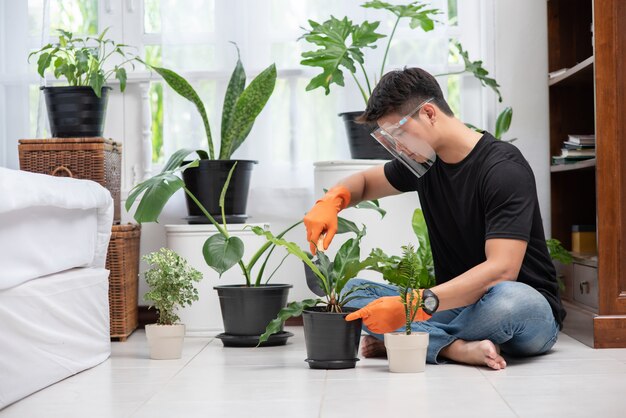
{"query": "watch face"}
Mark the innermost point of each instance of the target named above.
(430, 303)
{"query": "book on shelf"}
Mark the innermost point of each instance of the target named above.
(578, 152)
(559, 160)
(581, 139)
(572, 145)
(557, 73)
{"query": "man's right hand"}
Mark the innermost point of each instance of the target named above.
(322, 218)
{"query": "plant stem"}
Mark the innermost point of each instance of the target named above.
(222, 231)
(367, 80)
(450, 73)
(393, 32)
(360, 88)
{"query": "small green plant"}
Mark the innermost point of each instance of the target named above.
(332, 275)
(171, 280)
(558, 252)
(81, 60)
(412, 275)
(241, 106)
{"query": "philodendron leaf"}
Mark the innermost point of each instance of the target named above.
(416, 11)
(233, 91)
(289, 311)
(221, 253)
(503, 122)
(344, 225)
(341, 44)
(374, 205)
(420, 229)
(182, 87)
(248, 106)
(476, 68)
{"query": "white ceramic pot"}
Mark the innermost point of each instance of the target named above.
(406, 353)
(165, 341)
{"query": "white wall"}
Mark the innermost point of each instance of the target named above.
(521, 67)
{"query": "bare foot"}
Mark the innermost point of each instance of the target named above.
(373, 347)
(478, 353)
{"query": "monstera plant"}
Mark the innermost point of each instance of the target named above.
(242, 105)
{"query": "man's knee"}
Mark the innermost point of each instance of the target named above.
(512, 300)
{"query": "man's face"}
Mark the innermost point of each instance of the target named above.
(414, 136)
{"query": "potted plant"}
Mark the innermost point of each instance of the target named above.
(341, 46)
(246, 308)
(242, 105)
(79, 109)
(331, 342)
(171, 281)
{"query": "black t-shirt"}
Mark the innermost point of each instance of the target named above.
(491, 193)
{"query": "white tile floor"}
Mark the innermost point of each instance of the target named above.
(212, 381)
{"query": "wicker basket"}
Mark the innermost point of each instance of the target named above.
(96, 159)
(123, 263)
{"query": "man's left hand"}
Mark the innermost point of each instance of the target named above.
(385, 314)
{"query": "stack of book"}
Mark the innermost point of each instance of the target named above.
(576, 148)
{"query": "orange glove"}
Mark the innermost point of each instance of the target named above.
(385, 314)
(322, 218)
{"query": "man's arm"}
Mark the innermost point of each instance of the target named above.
(367, 185)
(504, 260)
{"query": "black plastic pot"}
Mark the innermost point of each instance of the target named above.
(331, 341)
(362, 145)
(76, 111)
(246, 311)
(206, 182)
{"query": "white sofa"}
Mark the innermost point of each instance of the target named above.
(54, 309)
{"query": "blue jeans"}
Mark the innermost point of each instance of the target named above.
(512, 315)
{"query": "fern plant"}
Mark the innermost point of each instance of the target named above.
(410, 270)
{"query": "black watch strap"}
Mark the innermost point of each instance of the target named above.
(430, 301)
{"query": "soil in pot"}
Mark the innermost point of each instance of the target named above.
(406, 353)
(246, 311)
(331, 341)
(165, 341)
(206, 182)
(76, 111)
(362, 145)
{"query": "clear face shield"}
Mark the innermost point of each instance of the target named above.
(413, 152)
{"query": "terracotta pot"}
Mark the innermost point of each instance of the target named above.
(165, 341)
(406, 353)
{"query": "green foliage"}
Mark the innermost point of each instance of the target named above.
(332, 275)
(418, 12)
(558, 252)
(242, 105)
(81, 60)
(412, 274)
(221, 253)
(503, 122)
(171, 281)
(477, 69)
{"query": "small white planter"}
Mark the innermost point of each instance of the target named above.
(165, 341)
(406, 353)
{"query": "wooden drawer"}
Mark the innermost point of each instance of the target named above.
(565, 274)
(585, 287)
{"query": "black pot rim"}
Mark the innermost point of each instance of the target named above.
(246, 288)
(71, 87)
(314, 311)
(208, 161)
(350, 113)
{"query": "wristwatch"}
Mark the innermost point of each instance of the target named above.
(430, 301)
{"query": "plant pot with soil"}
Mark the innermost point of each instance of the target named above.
(242, 105)
(79, 109)
(331, 341)
(171, 281)
(246, 308)
(411, 272)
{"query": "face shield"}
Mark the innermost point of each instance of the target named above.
(412, 151)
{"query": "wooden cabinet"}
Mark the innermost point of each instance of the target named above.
(588, 38)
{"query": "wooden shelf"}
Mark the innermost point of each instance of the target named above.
(590, 163)
(581, 72)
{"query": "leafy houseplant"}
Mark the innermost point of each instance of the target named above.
(340, 46)
(559, 255)
(242, 105)
(79, 109)
(171, 281)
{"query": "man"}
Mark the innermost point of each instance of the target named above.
(496, 286)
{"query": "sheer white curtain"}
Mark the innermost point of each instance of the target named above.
(297, 127)
(14, 79)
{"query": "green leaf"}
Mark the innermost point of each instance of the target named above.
(233, 91)
(341, 45)
(43, 62)
(476, 68)
(372, 204)
(120, 74)
(503, 122)
(344, 225)
(96, 81)
(221, 253)
(419, 227)
(416, 11)
(291, 310)
(226, 184)
(158, 189)
(248, 106)
(182, 87)
(558, 252)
